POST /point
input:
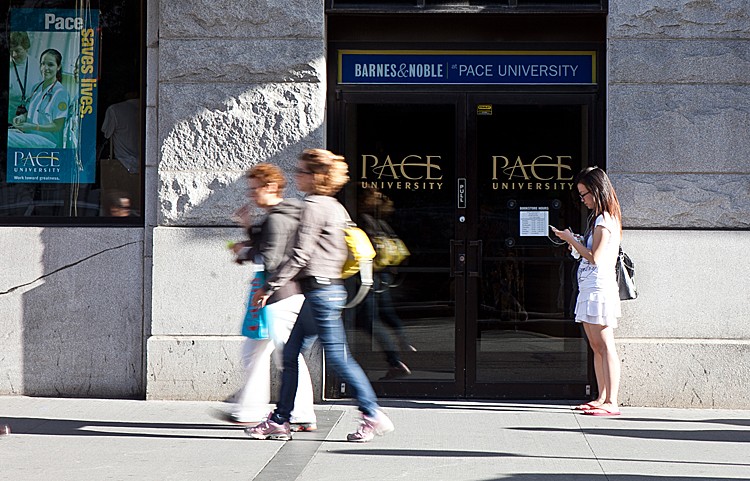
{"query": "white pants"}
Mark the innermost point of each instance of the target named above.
(252, 404)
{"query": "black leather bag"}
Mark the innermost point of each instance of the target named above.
(625, 268)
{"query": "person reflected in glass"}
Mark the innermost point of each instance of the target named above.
(42, 125)
(118, 205)
(598, 304)
(377, 311)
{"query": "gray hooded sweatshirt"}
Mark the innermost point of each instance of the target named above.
(273, 241)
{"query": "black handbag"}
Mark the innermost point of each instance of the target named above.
(625, 269)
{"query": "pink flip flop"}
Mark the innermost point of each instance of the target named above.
(585, 407)
(601, 412)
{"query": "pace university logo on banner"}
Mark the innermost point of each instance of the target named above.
(52, 135)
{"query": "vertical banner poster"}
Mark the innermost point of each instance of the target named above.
(52, 129)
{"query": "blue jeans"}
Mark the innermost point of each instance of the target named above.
(321, 315)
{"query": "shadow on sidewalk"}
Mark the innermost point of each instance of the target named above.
(729, 422)
(450, 453)
(79, 427)
(713, 435)
(601, 477)
(481, 405)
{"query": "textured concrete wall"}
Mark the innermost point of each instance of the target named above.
(685, 342)
(679, 112)
(679, 154)
(72, 312)
(236, 83)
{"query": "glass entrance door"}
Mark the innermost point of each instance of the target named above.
(524, 155)
(480, 306)
(404, 159)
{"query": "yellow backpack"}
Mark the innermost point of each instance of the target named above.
(361, 254)
(360, 250)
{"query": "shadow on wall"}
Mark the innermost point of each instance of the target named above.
(83, 318)
(206, 148)
(83, 326)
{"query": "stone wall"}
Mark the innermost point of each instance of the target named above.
(679, 155)
(231, 84)
(679, 112)
(238, 83)
(71, 304)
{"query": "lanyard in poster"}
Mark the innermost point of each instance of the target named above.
(25, 78)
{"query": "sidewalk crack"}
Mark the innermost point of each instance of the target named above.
(591, 449)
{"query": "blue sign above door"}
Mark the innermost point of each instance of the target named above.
(475, 67)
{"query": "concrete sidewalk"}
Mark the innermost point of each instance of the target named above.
(90, 439)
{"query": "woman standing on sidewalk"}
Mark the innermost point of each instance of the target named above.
(317, 261)
(598, 304)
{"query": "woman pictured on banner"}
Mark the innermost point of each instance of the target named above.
(598, 304)
(42, 125)
(22, 77)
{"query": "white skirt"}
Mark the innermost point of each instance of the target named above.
(598, 307)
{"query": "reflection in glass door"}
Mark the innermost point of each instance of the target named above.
(403, 165)
(481, 306)
(525, 158)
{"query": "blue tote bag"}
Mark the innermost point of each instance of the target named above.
(255, 326)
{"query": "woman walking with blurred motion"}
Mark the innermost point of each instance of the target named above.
(269, 245)
(316, 263)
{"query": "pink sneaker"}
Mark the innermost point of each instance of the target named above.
(370, 426)
(270, 430)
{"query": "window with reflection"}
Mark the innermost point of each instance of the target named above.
(72, 152)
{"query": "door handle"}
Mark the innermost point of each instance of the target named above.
(477, 248)
(458, 258)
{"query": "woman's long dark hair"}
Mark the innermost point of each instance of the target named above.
(602, 191)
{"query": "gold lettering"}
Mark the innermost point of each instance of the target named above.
(517, 165)
(430, 166)
(544, 172)
(388, 163)
(561, 166)
(534, 166)
(406, 168)
(494, 164)
(405, 164)
(364, 163)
